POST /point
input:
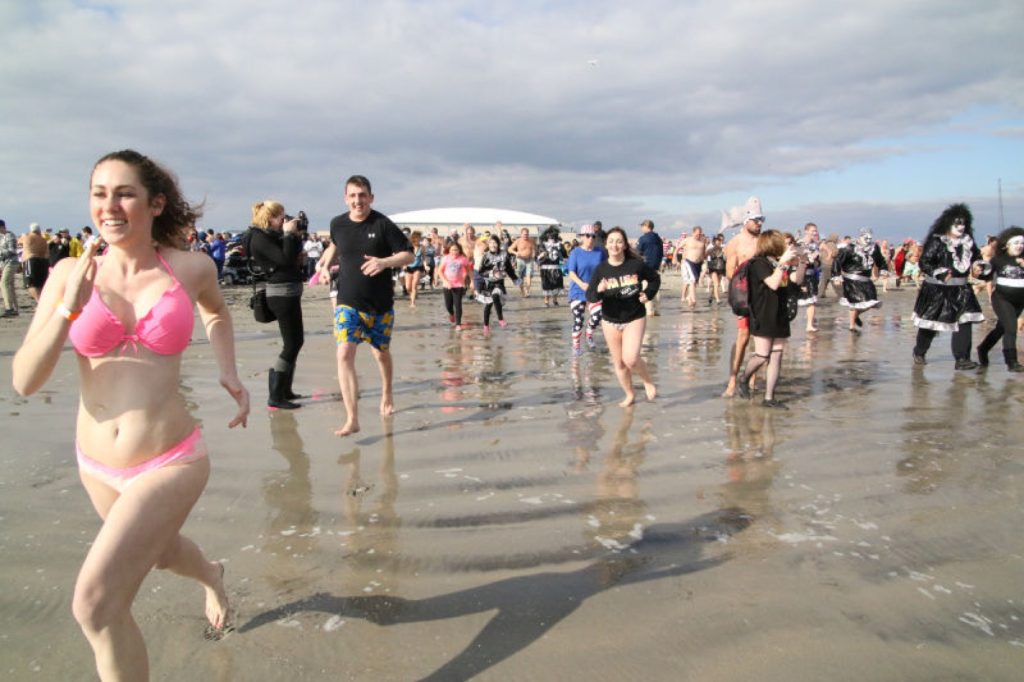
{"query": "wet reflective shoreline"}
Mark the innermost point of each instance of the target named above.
(511, 522)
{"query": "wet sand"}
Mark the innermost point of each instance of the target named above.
(510, 522)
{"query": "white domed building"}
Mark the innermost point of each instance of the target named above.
(483, 219)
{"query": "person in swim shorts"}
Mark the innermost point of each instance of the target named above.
(739, 250)
(368, 246)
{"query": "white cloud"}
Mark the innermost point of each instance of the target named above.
(460, 103)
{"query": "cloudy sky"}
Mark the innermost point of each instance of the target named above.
(880, 113)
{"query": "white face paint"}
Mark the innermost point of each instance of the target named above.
(958, 229)
(1015, 246)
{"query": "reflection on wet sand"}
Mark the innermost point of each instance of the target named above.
(495, 526)
(616, 516)
(370, 560)
(751, 465)
(292, 526)
(582, 426)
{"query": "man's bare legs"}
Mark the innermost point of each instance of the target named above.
(349, 383)
(386, 367)
(739, 350)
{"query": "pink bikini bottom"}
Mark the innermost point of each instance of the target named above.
(191, 449)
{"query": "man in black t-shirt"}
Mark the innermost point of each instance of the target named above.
(367, 245)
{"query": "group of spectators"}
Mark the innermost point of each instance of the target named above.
(34, 254)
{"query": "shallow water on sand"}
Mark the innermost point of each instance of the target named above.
(511, 522)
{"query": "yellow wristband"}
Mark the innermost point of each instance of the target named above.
(66, 312)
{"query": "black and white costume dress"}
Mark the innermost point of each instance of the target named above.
(944, 305)
(490, 276)
(809, 287)
(550, 257)
(853, 263)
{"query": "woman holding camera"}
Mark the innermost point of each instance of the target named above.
(772, 270)
(275, 247)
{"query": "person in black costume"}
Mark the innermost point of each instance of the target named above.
(946, 300)
(275, 246)
(550, 256)
(774, 275)
(1007, 296)
(852, 264)
(495, 264)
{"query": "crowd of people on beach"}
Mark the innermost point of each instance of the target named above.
(125, 298)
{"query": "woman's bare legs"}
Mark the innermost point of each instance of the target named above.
(412, 283)
(632, 339)
(811, 310)
(624, 347)
(140, 530)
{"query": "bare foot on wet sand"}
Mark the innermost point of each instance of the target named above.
(651, 390)
(628, 400)
(387, 407)
(350, 427)
(217, 608)
(730, 388)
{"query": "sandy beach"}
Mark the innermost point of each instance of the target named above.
(511, 522)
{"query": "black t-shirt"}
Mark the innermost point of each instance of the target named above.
(769, 317)
(1006, 267)
(376, 236)
(620, 301)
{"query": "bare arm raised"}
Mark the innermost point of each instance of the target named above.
(69, 285)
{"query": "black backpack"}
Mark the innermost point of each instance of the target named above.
(739, 290)
(256, 271)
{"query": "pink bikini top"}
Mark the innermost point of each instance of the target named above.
(166, 329)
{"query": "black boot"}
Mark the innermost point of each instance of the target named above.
(1010, 354)
(983, 355)
(983, 350)
(277, 398)
(287, 392)
(965, 364)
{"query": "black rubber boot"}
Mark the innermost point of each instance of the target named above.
(277, 398)
(983, 356)
(983, 350)
(288, 393)
(1010, 354)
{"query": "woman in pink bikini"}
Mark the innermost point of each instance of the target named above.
(141, 456)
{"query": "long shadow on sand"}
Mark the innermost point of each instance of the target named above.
(529, 606)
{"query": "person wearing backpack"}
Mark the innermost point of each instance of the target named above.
(275, 245)
(738, 251)
(770, 279)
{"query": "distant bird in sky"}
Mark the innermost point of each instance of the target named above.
(592, 62)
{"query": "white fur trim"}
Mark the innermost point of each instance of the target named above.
(966, 318)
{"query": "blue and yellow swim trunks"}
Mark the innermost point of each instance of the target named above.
(353, 326)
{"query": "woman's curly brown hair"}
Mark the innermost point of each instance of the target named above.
(170, 228)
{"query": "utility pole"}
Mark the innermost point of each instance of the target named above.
(1001, 226)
